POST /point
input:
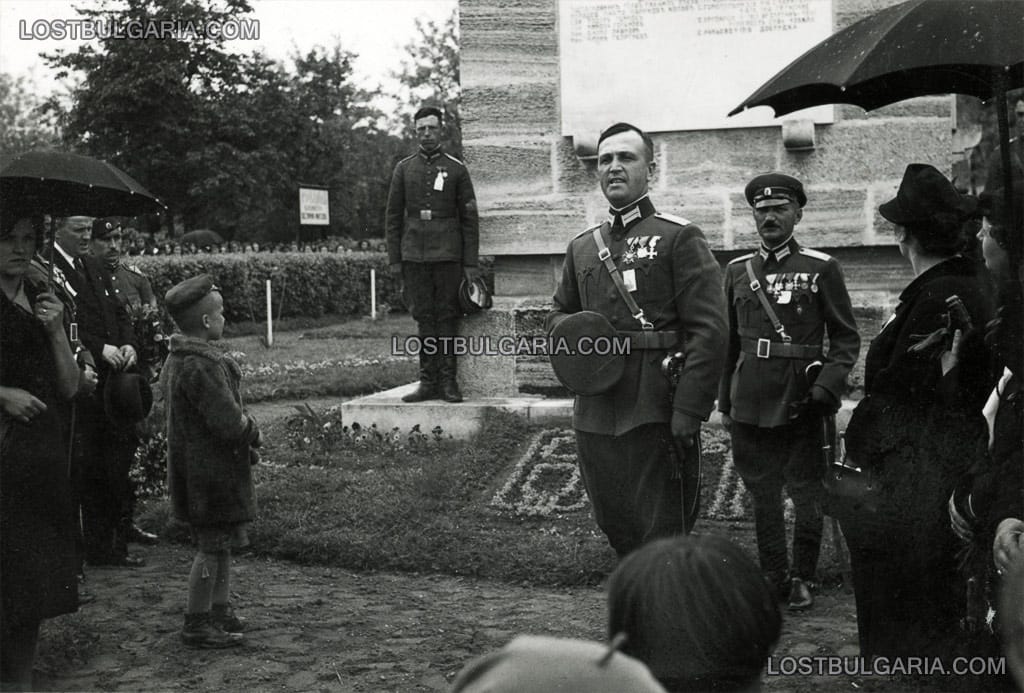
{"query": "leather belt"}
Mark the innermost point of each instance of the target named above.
(649, 339)
(428, 215)
(767, 349)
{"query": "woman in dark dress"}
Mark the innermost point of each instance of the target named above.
(38, 376)
(913, 435)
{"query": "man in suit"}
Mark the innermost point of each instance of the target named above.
(103, 448)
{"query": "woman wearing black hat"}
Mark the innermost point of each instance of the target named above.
(913, 433)
(38, 375)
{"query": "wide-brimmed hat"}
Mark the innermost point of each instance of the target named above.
(924, 193)
(127, 397)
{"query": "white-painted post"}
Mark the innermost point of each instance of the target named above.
(373, 294)
(270, 318)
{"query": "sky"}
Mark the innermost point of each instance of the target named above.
(376, 30)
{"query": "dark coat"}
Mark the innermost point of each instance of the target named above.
(209, 476)
(679, 287)
(918, 443)
(38, 567)
(452, 231)
(808, 294)
(101, 318)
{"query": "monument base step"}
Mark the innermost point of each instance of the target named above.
(387, 410)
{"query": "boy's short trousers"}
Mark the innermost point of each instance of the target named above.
(216, 538)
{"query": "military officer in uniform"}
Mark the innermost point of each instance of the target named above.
(630, 437)
(130, 286)
(433, 242)
(133, 291)
(783, 301)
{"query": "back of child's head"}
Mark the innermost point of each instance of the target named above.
(188, 301)
(697, 611)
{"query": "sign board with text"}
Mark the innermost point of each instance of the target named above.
(314, 209)
(667, 65)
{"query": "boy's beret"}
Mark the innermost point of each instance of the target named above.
(186, 294)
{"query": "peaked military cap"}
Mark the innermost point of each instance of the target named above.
(186, 294)
(774, 189)
(588, 373)
(104, 226)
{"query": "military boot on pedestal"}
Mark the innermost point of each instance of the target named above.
(449, 384)
(428, 387)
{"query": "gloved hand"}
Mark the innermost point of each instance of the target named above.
(685, 428)
(961, 519)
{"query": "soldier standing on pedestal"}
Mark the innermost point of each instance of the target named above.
(433, 241)
(781, 299)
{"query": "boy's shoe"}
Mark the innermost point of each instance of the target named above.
(200, 631)
(224, 616)
(800, 596)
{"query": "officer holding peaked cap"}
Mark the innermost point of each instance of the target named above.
(783, 299)
(651, 280)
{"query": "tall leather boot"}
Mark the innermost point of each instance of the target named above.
(427, 389)
(449, 384)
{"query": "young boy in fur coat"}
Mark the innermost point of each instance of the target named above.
(210, 441)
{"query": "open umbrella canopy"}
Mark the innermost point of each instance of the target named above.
(202, 237)
(63, 184)
(912, 49)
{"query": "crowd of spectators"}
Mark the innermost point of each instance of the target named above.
(139, 243)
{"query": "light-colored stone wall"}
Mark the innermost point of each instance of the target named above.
(535, 194)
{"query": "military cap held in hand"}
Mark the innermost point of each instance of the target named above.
(188, 293)
(773, 189)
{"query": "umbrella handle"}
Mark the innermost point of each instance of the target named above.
(53, 242)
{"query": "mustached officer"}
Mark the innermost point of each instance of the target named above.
(783, 300)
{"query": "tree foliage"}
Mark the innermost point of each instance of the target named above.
(430, 76)
(226, 138)
(24, 123)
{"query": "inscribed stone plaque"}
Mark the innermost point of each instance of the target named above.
(680, 64)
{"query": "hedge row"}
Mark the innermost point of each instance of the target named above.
(303, 284)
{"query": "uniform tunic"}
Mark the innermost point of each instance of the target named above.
(432, 229)
(772, 447)
(623, 435)
(131, 287)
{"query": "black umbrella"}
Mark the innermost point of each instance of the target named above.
(202, 237)
(916, 48)
(62, 184)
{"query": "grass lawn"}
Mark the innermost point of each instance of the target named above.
(341, 359)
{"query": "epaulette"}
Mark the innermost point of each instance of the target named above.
(741, 258)
(816, 254)
(453, 159)
(586, 231)
(411, 156)
(673, 218)
(134, 269)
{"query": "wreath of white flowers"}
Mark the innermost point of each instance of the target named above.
(523, 493)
